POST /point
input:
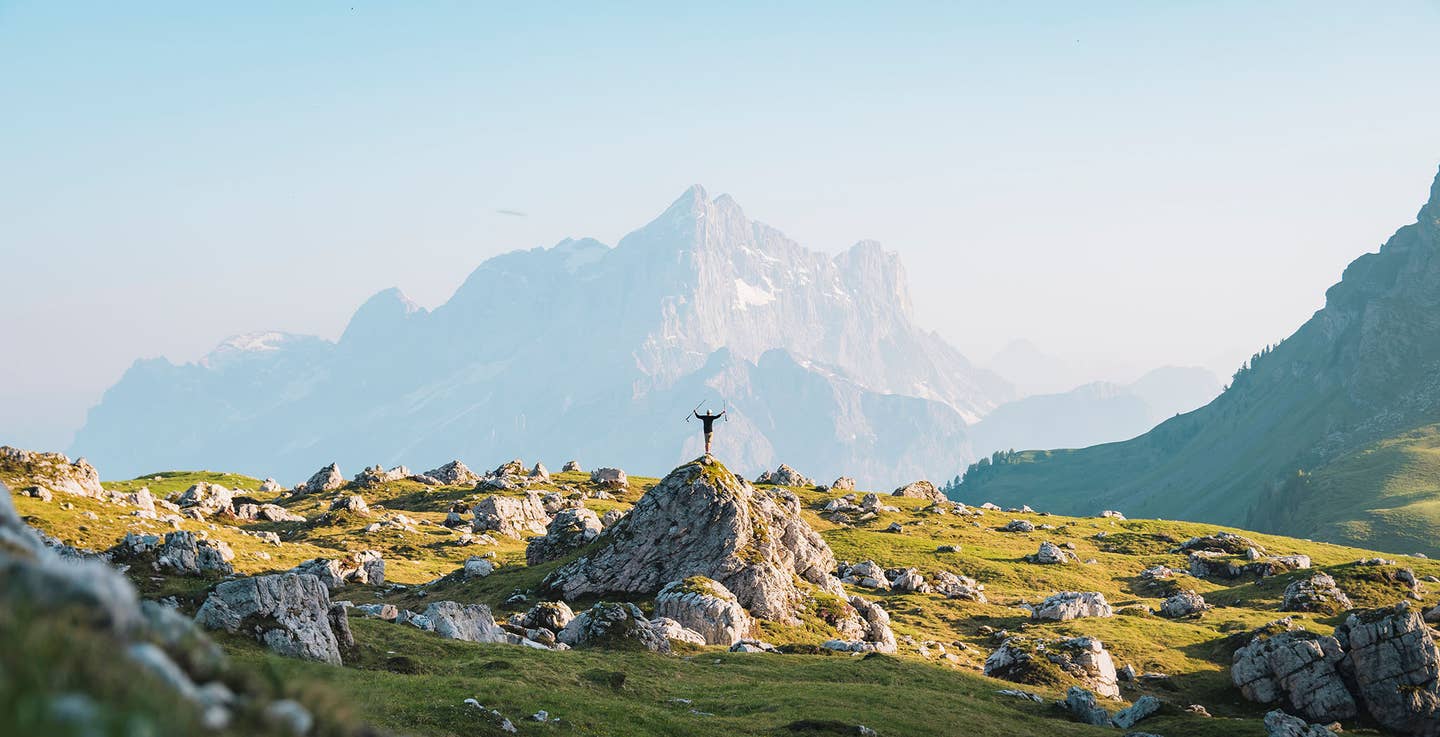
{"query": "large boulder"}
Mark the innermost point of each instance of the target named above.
(921, 489)
(207, 497)
(610, 478)
(287, 612)
(351, 503)
(571, 465)
(551, 615)
(1051, 554)
(843, 483)
(326, 479)
(1068, 605)
(785, 476)
(866, 630)
(1280, 724)
(454, 473)
(468, 622)
(1318, 593)
(706, 607)
(512, 516)
(614, 626)
(1392, 658)
(187, 555)
(1083, 658)
(1296, 670)
(376, 475)
(1183, 604)
(571, 529)
(701, 520)
(1082, 705)
(50, 471)
(365, 567)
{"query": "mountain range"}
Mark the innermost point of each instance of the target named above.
(550, 350)
(1334, 433)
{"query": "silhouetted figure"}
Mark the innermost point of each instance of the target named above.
(709, 420)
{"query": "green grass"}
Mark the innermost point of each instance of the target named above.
(416, 683)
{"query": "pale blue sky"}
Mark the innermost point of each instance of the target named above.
(1128, 186)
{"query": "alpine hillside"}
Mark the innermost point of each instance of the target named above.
(1332, 434)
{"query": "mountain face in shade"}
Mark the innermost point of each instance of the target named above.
(1332, 433)
(587, 351)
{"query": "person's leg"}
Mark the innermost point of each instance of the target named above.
(708, 434)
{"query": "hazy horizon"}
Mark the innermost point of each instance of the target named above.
(182, 174)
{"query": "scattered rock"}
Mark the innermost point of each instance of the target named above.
(454, 473)
(572, 465)
(867, 630)
(1143, 707)
(366, 567)
(921, 490)
(376, 475)
(1280, 724)
(1019, 525)
(844, 483)
(1081, 705)
(570, 530)
(326, 479)
(953, 586)
(1183, 604)
(353, 503)
(1318, 593)
(785, 476)
(1068, 605)
(610, 478)
(1051, 554)
(207, 498)
(477, 567)
(616, 626)
(511, 516)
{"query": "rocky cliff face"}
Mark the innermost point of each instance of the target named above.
(540, 350)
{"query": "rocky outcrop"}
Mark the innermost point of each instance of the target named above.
(615, 627)
(551, 615)
(1083, 658)
(843, 483)
(610, 478)
(954, 586)
(366, 567)
(186, 554)
(921, 490)
(785, 476)
(1280, 724)
(571, 465)
(1082, 706)
(706, 607)
(1143, 707)
(351, 503)
(1068, 605)
(865, 628)
(570, 530)
(376, 475)
(264, 513)
(1183, 604)
(1217, 565)
(1318, 593)
(701, 520)
(512, 516)
(1051, 554)
(1297, 670)
(287, 612)
(1392, 658)
(206, 497)
(326, 479)
(454, 473)
(539, 473)
(468, 622)
(53, 472)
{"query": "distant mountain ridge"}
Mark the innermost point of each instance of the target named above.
(546, 350)
(1331, 433)
(1097, 412)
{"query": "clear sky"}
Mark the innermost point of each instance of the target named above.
(1127, 186)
